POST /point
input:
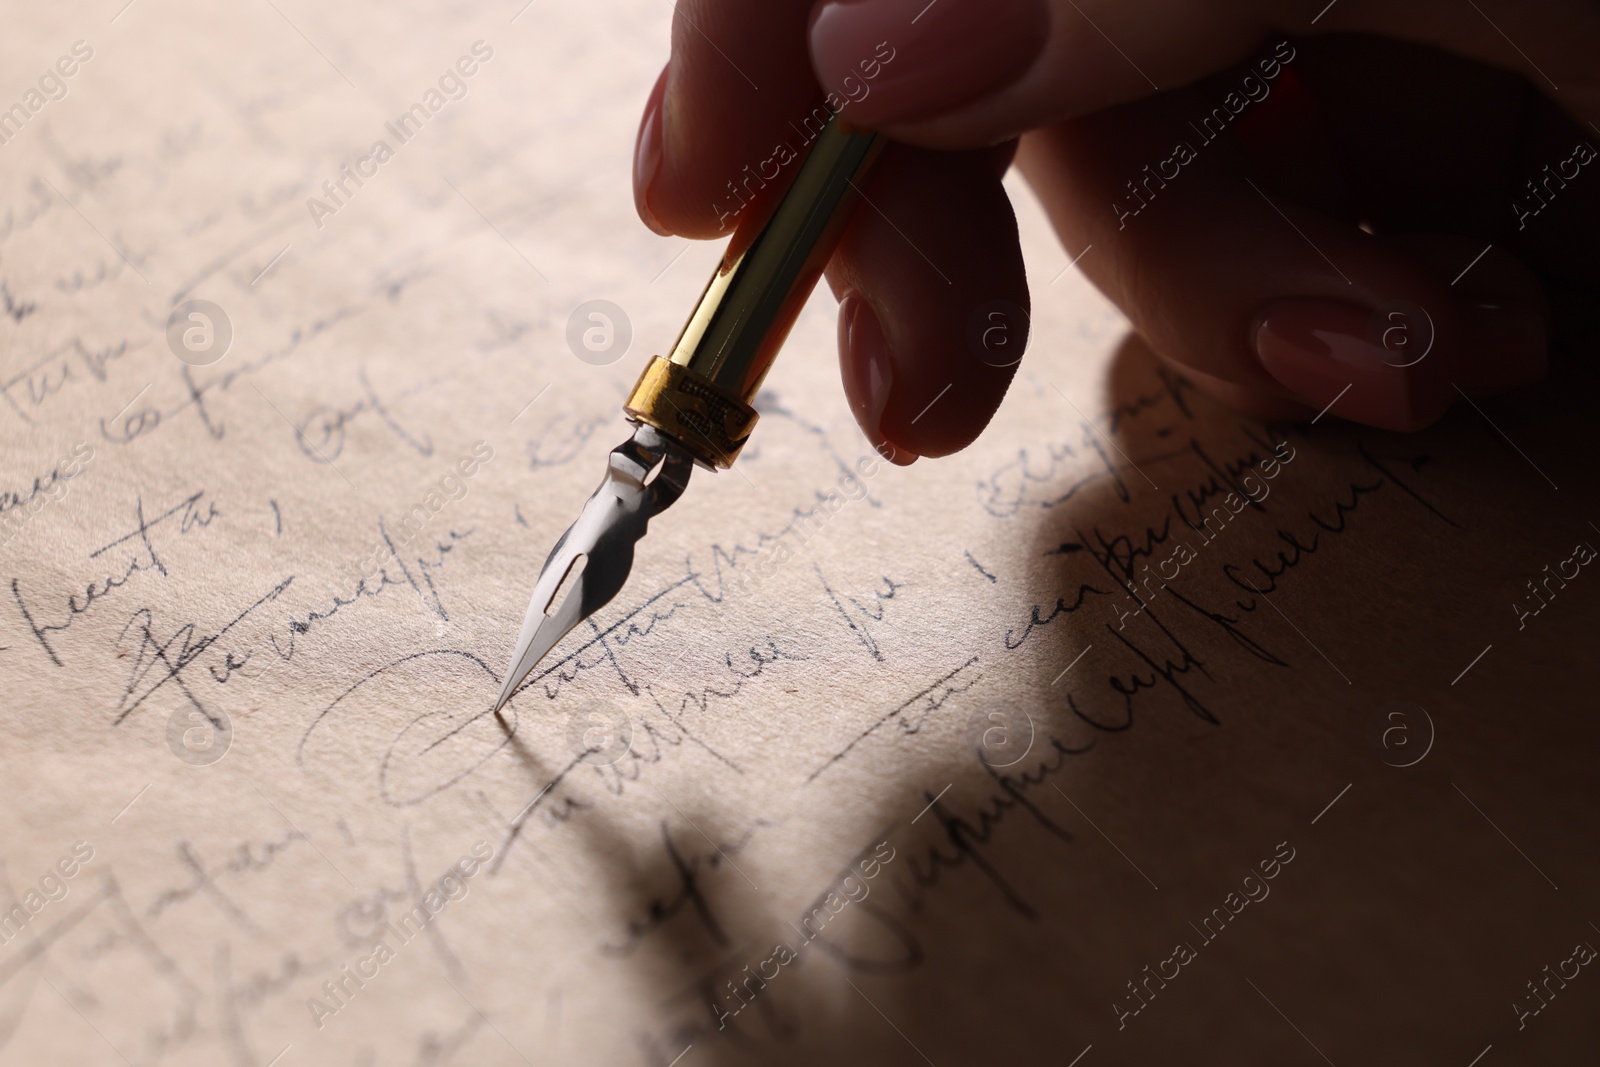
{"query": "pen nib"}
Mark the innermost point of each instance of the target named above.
(588, 566)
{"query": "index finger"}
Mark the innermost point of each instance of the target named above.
(728, 113)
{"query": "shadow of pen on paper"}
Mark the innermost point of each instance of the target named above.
(662, 896)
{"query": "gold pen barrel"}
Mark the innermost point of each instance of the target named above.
(700, 394)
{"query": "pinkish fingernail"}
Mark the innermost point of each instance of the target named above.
(647, 156)
(868, 373)
(1324, 352)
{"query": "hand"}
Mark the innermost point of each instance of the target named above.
(1302, 220)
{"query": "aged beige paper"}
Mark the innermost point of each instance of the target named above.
(935, 787)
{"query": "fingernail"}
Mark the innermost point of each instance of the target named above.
(647, 156)
(1325, 352)
(896, 60)
(868, 373)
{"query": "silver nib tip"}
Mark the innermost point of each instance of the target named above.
(590, 564)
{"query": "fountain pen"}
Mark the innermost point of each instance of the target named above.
(694, 406)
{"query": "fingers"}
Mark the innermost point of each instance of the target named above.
(973, 72)
(709, 142)
(1275, 305)
(1266, 291)
(938, 58)
(931, 253)
(1505, 318)
(739, 103)
(933, 301)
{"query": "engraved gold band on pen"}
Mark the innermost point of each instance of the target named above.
(710, 422)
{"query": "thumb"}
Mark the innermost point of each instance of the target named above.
(968, 73)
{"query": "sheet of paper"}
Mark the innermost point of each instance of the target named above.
(872, 767)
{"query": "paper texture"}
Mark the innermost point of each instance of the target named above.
(889, 768)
